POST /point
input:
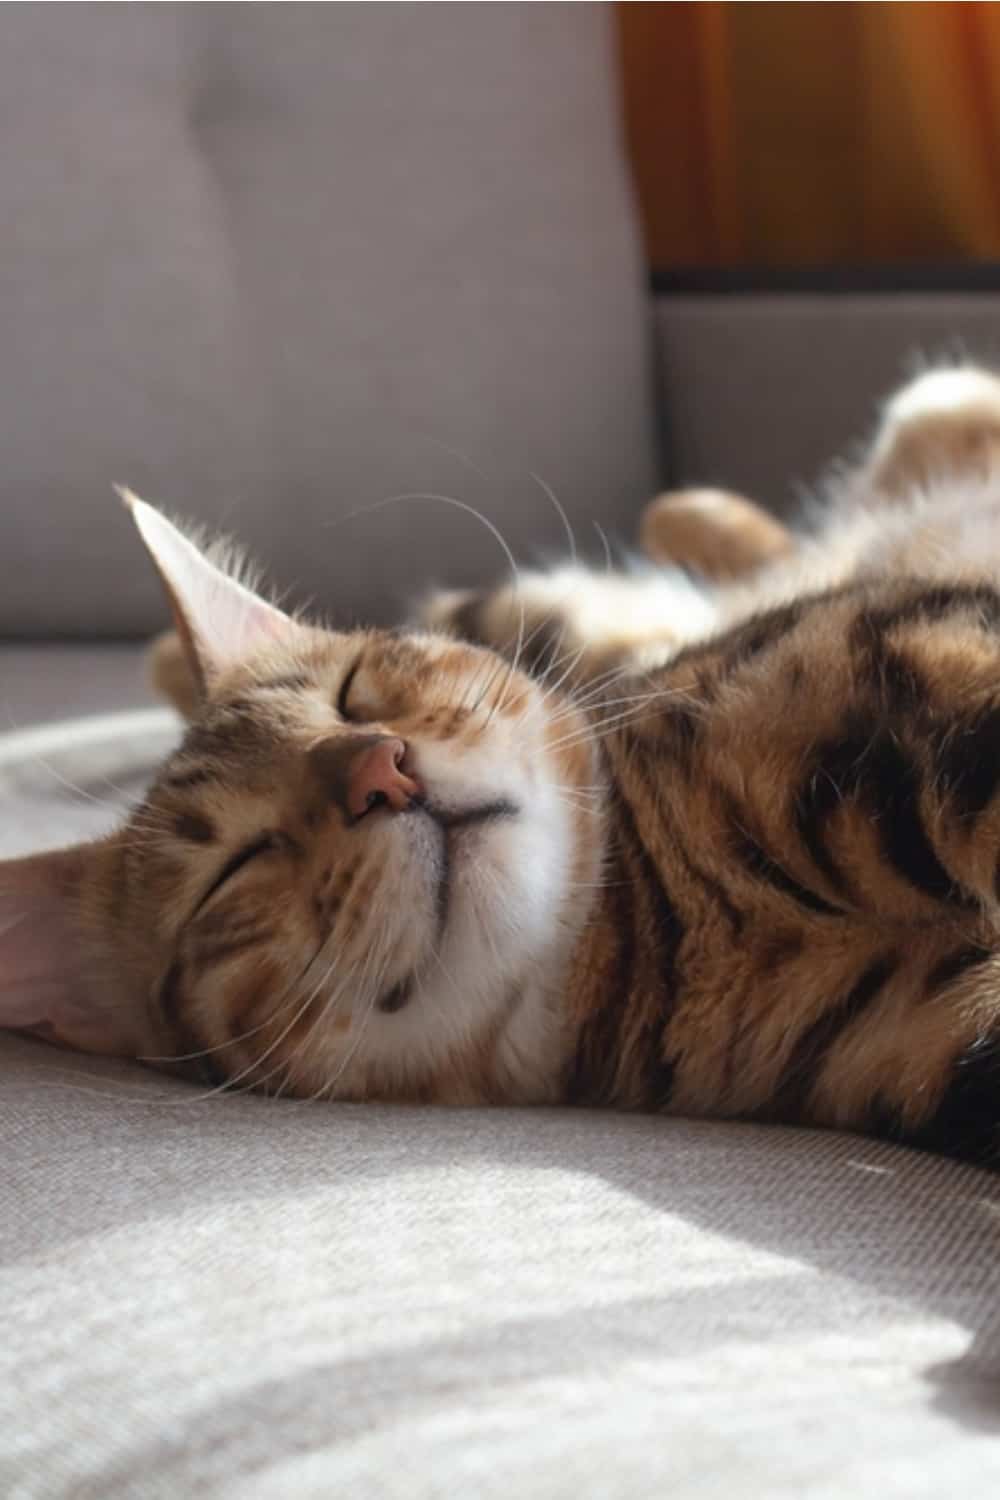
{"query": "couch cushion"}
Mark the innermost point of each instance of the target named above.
(43, 682)
(764, 390)
(239, 1297)
(270, 265)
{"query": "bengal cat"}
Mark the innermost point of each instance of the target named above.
(650, 842)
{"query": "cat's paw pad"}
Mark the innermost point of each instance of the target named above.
(946, 422)
(715, 533)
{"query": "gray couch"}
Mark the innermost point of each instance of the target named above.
(271, 265)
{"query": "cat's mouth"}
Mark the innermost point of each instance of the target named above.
(453, 827)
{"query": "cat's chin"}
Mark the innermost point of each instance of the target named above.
(464, 868)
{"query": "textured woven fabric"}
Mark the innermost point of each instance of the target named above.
(41, 683)
(273, 264)
(239, 1297)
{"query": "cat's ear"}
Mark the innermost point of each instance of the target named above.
(219, 620)
(55, 977)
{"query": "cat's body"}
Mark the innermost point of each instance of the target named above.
(760, 880)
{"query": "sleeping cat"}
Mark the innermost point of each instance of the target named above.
(715, 848)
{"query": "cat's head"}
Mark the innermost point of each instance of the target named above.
(360, 875)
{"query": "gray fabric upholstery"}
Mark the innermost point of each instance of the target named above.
(242, 1298)
(761, 392)
(269, 264)
(43, 682)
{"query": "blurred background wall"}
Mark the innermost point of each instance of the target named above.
(777, 134)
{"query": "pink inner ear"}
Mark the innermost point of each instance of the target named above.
(47, 978)
(220, 620)
(39, 961)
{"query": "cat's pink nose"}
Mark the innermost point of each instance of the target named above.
(375, 778)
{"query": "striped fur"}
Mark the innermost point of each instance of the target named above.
(736, 854)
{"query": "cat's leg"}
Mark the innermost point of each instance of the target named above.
(581, 622)
(715, 533)
(943, 424)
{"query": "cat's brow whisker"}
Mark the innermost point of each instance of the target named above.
(501, 653)
(463, 505)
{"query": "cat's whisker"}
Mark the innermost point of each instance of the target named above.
(550, 495)
(362, 1030)
(590, 697)
(255, 1063)
(575, 658)
(330, 1007)
(495, 669)
(556, 658)
(602, 728)
(235, 1041)
(78, 791)
(502, 662)
(608, 564)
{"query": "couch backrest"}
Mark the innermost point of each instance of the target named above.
(272, 264)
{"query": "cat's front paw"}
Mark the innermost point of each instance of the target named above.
(715, 533)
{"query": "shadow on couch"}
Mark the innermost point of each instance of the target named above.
(889, 1232)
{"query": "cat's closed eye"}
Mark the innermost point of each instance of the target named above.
(344, 696)
(358, 701)
(265, 843)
